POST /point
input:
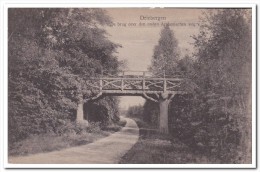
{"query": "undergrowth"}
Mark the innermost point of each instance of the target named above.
(68, 135)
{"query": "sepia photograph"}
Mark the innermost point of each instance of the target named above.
(129, 86)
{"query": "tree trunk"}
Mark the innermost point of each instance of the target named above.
(163, 123)
(80, 114)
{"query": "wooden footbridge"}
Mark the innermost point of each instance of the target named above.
(155, 87)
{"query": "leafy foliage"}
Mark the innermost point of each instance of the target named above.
(224, 64)
(135, 111)
(216, 118)
(51, 52)
(104, 110)
(166, 53)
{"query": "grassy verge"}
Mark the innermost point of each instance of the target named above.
(155, 148)
(75, 136)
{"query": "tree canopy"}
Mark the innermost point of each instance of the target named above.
(216, 118)
(51, 52)
(166, 53)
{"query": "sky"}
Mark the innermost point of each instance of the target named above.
(138, 31)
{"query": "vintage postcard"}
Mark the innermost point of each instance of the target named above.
(130, 87)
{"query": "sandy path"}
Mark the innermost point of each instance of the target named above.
(108, 150)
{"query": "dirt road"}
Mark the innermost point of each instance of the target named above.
(108, 150)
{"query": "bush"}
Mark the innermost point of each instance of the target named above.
(71, 134)
(205, 126)
(114, 126)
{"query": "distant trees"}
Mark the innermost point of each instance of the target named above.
(51, 52)
(151, 113)
(166, 53)
(105, 110)
(216, 118)
(135, 111)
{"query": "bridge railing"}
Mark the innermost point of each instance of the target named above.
(141, 84)
(138, 74)
(144, 81)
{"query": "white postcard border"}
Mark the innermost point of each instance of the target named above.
(104, 4)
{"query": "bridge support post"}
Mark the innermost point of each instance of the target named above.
(163, 120)
(80, 112)
(164, 102)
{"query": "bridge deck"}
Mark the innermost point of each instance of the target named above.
(136, 85)
(144, 84)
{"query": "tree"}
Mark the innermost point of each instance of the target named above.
(216, 118)
(151, 113)
(166, 53)
(223, 70)
(51, 52)
(224, 51)
(185, 67)
(135, 111)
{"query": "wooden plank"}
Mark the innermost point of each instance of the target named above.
(160, 79)
(138, 92)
